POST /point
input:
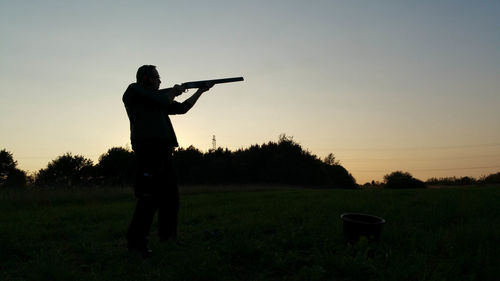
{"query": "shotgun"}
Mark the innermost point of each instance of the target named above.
(204, 83)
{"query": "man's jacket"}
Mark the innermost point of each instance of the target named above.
(148, 112)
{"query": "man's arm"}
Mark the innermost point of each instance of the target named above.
(185, 106)
(163, 97)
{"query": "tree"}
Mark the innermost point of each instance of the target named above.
(16, 178)
(10, 175)
(66, 170)
(451, 181)
(189, 164)
(330, 160)
(7, 164)
(492, 179)
(340, 177)
(400, 179)
(116, 167)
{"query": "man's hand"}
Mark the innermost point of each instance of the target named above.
(205, 88)
(178, 89)
(192, 100)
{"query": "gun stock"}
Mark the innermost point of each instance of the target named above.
(203, 83)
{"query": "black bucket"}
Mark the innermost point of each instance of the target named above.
(358, 225)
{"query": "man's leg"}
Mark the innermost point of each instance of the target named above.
(147, 204)
(168, 202)
(168, 214)
(138, 231)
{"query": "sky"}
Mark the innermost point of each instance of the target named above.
(383, 85)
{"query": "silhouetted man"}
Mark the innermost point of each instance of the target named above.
(153, 141)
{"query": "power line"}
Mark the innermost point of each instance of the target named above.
(430, 169)
(422, 159)
(422, 147)
(455, 169)
(47, 157)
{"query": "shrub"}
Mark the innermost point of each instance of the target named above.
(451, 181)
(492, 179)
(282, 162)
(10, 175)
(400, 179)
(116, 167)
(66, 170)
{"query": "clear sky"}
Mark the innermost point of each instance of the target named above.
(383, 85)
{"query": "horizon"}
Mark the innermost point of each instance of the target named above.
(494, 169)
(383, 86)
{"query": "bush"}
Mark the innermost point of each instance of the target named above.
(66, 170)
(10, 176)
(284, 162)
(451, 181)
(492, 179)
(400, 179)
(16, 178)
(116, 167)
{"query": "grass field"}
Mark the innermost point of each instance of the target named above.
(283, 234)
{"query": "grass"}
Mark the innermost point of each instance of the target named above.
(283, 234)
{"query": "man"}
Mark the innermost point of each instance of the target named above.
(153, 141)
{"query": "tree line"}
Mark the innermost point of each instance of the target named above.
(282, 162)
(400, 179)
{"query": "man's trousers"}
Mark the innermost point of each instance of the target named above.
(155, 188)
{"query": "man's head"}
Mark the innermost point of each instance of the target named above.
(148, 77)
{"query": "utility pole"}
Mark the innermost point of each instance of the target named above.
(214, 144)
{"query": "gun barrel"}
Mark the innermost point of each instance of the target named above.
(202, 83)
